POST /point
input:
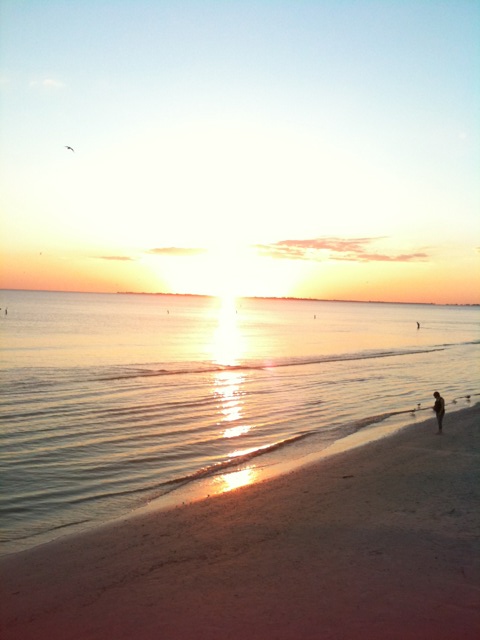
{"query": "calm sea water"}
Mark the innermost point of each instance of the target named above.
(111, 401)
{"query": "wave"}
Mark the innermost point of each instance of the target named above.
(234, 461)
(366, 422)
(36, 380)
(39, 531)
(126, 374)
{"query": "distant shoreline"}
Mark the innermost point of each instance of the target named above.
(196, 295)
(200, 295)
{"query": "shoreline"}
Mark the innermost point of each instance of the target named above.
(380, 541)
(280, 462)
(275, 464)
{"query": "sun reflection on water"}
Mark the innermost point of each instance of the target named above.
(228, 383)
(227, 350)
(228, 391)
(235, 432)
(227, 347)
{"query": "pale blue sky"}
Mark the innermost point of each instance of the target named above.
(265, 121)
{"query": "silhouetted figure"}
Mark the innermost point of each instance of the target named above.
(439, 408)
(418, 325)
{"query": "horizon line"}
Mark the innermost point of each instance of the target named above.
(206, 295)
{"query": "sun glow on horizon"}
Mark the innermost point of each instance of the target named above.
(225, 270)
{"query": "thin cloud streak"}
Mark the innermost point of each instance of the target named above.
(48, 83)
(116, 258)
(177, 251)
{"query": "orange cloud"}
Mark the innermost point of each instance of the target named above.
(345, 249)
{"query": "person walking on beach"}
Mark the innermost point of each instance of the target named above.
(439, 408)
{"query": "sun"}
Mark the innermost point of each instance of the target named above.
(236, 270)
(228, 265)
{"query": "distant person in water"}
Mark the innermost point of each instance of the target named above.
(439, 408)
(418, 325)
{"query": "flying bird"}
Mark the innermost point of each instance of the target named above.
(67, 147)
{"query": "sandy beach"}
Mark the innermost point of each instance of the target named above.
(382, 541)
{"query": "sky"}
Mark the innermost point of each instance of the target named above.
(321, 149)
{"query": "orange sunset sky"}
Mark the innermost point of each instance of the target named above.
(305, 149)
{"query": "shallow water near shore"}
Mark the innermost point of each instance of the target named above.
(112, 401)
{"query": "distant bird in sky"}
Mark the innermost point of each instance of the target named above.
(67, 147)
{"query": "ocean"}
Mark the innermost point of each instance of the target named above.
(112, 402)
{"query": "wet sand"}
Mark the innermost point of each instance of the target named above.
(379, 542)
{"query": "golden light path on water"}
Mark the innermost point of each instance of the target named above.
(228, 344)
(228, 347)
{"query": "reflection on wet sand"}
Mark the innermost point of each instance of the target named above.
(236, 479)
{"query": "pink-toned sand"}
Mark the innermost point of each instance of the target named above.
(380, 542)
